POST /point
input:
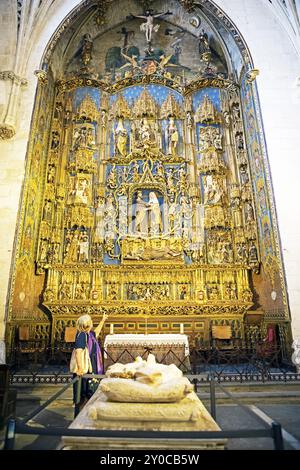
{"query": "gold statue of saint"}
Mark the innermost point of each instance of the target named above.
(172, 137)
(121, 139)
(155, 214)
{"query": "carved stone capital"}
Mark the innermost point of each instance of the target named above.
(251, 75)
(41, 76)
(10, 75)
(6, 131)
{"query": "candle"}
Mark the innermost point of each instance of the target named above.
(181, 328)
(111, 331)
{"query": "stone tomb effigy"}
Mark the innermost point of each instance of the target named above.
(144, 396)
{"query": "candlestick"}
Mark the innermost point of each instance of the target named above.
(111, 331)
(181, 328)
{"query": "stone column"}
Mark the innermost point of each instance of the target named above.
(2, 352)
(11, 105)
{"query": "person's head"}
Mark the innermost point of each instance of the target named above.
(84, 323)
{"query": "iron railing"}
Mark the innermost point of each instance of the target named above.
(17, 426)
(244, 363)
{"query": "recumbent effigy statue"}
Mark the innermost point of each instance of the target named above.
(144, 396)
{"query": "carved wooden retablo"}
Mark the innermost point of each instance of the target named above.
(146, 192)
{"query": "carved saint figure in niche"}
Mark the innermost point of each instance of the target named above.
(54, 252)
(65, 291)
(51, 174)
(81, 191)
(186, 207)
(253, 258)
(47, 211)
(236, 212)
(84, 247)
(121, 139)
(154, 214)
(213, 192)
(160, 171)
(249, 213)
(145, 131)
(80, 138)
(90, 138)
(242, 255)
(240, 141)
(71, 254)
(43, 251)
(183, 292)
(172, 137)
(244, 175)
(148, 27)
(141, 219)
(80, 292)
(55, 140)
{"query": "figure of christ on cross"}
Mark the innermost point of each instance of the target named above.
(148, 27)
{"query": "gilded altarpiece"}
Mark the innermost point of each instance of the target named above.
(145, 195)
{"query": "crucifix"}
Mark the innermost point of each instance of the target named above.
(148, 26)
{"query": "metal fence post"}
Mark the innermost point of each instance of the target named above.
(277, 436)
(212, 386)
(78, 395)
(10, 435)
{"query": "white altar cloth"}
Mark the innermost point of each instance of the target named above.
(147, 340)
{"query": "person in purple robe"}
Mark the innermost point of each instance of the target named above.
(86, 336)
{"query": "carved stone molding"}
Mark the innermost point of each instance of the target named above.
(6, 131)
(10, 75)
(41, 76)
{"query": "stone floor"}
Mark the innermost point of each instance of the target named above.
(269, 402)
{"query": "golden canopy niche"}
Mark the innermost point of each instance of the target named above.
(146, 192)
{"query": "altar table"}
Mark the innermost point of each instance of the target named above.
(167, 348)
